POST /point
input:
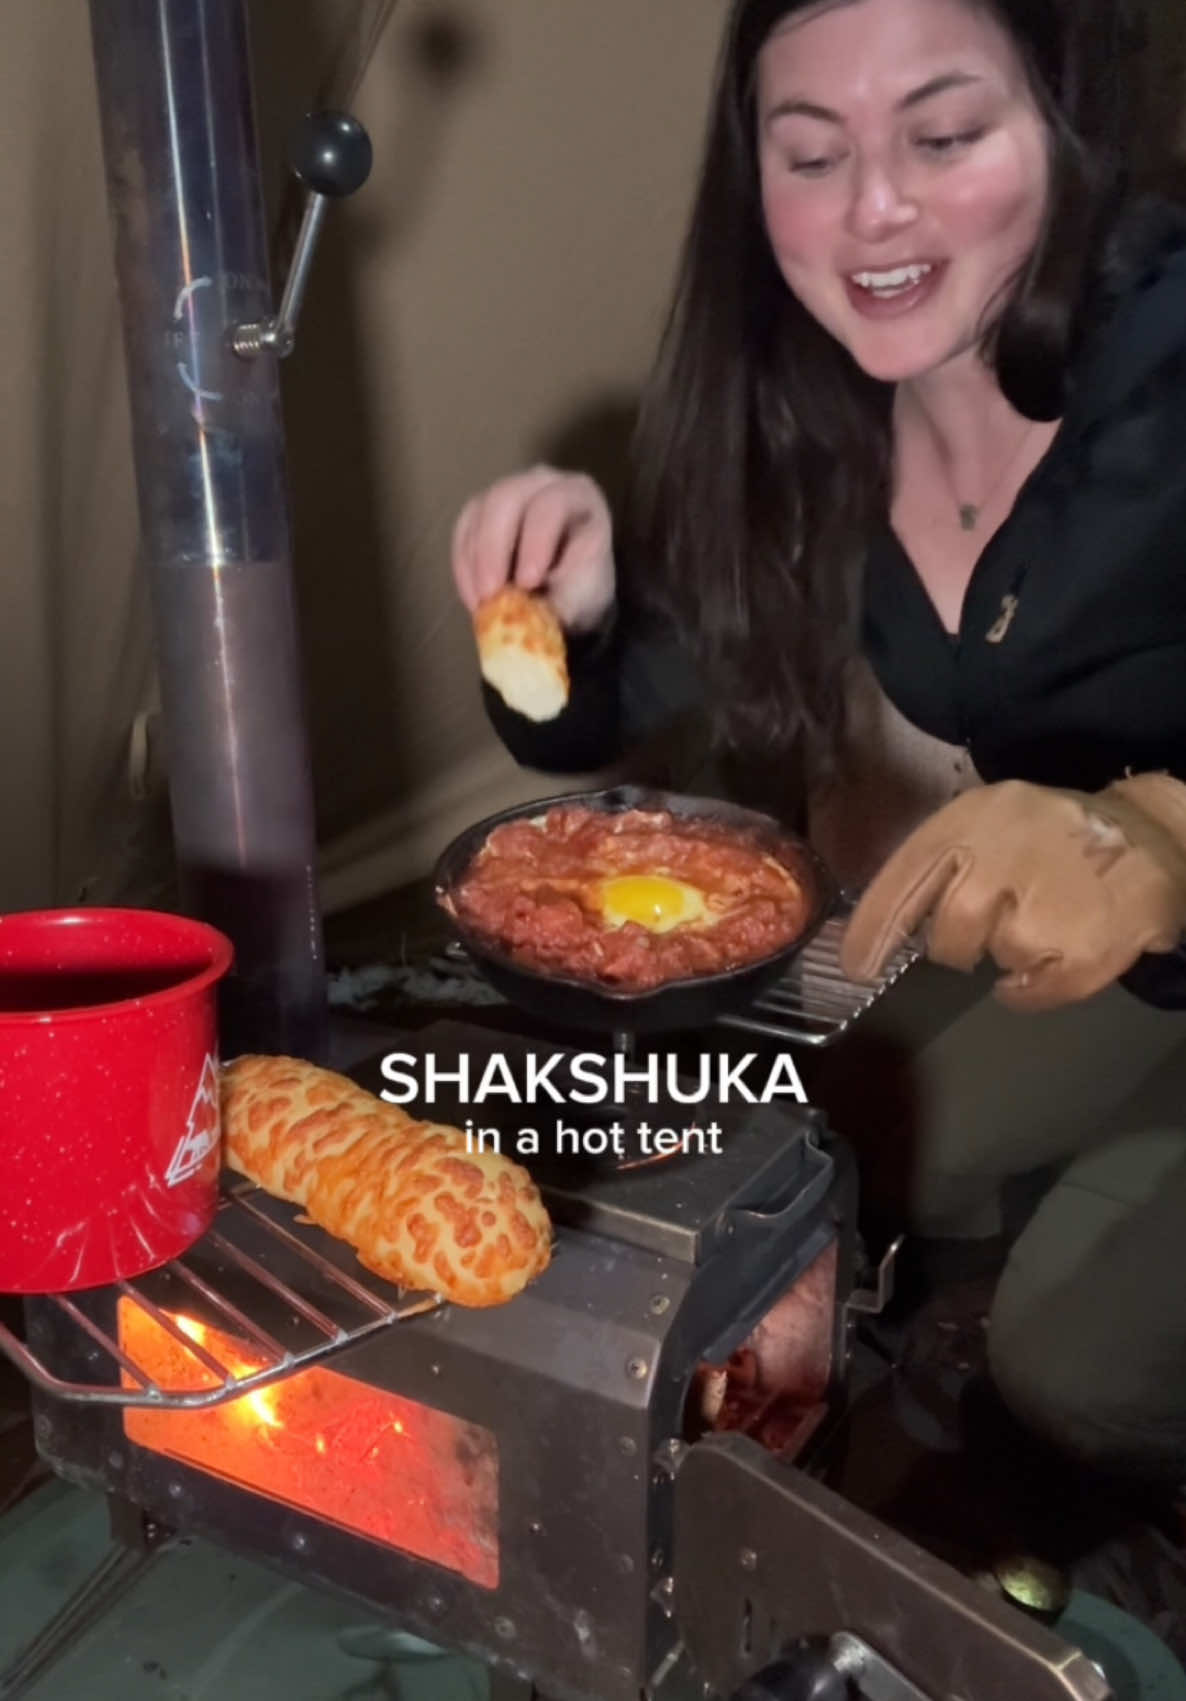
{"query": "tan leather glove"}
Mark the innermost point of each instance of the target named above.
(1063, 890)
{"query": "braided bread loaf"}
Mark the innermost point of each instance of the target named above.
(419, 1209)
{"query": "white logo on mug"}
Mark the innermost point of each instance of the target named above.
(203, 1129)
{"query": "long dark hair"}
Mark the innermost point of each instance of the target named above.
(762, 460)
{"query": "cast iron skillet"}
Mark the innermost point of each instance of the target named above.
(691, 1003)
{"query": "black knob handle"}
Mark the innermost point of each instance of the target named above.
(802, 1676)
(331, 153)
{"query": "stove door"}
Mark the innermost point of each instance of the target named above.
(780, 1584)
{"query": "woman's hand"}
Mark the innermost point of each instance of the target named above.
(544, 531)
(1063, 890)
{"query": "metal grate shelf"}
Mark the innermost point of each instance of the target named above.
(252, 1276)
(815, 1003)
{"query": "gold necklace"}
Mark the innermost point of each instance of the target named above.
(970, 512)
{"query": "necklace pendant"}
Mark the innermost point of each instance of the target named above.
(968, 516)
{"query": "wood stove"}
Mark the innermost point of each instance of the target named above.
(607, 1486)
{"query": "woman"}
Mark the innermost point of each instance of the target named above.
(909, 517)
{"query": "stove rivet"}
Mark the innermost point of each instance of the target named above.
(749, 1559)
(300, 1543)
(659, 1304)
(625, 1564)
(116, 1461)
(175, 1491)
(435, 1604)
(536, 1527)
(435, 1368)
(504, 1627)
(636, 1369)
(627, 1446)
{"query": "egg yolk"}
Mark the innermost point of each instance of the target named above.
(653, 901)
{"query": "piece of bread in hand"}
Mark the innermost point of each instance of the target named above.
(522, 652)
(418, 1208)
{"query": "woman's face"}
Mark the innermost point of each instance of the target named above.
(904, 173)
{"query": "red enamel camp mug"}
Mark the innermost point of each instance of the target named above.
(110, 1137)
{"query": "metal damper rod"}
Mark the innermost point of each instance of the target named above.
(176, 106)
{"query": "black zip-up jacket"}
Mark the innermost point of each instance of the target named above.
(1069, 668)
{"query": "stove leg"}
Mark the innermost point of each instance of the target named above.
(118, 1572)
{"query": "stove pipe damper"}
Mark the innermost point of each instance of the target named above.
(201, 340)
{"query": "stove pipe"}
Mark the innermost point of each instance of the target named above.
(176, 106)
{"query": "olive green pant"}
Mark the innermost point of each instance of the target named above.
(1088, 1331)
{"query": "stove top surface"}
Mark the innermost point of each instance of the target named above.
(601, 1166)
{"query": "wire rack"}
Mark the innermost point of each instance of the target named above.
(815, 1003)
(253, 1277)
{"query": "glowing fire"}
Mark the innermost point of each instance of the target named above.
(260, 1404)
(372, 1462)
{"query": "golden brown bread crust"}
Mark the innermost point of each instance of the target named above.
(523, 652)
(417, 1207)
